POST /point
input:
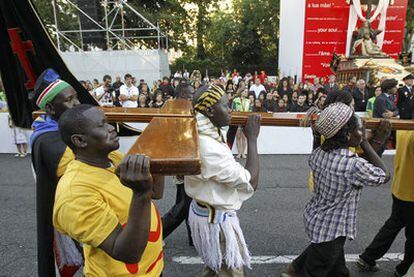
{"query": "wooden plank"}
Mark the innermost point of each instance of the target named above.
(172, 144)
(294, 120)
(180, 108)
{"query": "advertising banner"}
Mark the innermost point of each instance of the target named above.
(326, 29)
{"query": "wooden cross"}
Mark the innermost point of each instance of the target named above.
(171, 138)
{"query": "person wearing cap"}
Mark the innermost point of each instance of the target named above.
(219, 191)
(405, 98)
(49, 158)
(402, 213)
(339, 176)
(384, 105)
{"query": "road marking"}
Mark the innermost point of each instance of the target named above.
(286, 259)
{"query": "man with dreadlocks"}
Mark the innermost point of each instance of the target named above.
(221, 188)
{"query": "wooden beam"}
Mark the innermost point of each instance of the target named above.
(172, 144)
(295, 120)
(182, 109)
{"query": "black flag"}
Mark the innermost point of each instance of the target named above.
(26, 50)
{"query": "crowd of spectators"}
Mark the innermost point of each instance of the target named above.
(253, 92)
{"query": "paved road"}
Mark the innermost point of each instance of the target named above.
(271, 220)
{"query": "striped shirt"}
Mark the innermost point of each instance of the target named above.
(339, 177)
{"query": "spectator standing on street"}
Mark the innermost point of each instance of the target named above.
(281, 106)
(116, 86)
(258, 106)
(3, 102)
(143, 101)
(178, 74)
(269, 104)
(241, 104)
(257, 88)
(332, 85)
(351, 84)
(230, 88)
(105, 94)
(405, 98)
(287, 101)
(128, 93)
(284, 88)
(166, 88)
(316, 85)
(300, 106)
(360, 94)
(158, 101)
(19, 138)
(262, 76)
(384, 105)
(371, 101)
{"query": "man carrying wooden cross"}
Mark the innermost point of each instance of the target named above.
(221, 188)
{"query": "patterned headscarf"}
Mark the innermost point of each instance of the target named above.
(332, 119)
(209, 98)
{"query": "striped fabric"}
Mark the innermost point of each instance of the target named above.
(206, 127)
(50, 92)
(209, 98)
(215, 216)
(339, 177)
(332, 119)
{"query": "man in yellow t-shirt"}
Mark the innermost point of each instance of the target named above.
(105, 203)
(402, 214)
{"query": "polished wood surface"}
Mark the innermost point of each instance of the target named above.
(172, 144)
(295, 120)
(181, 108)
(171, 108)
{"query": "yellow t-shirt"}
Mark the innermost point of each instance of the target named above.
(402, 185)
(67, 157)
(89, 203)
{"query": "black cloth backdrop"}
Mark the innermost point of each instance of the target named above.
(22, 14)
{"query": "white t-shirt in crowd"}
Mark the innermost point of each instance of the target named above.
(257, 89)
(129, 92)
(236, 79)
(104, 97)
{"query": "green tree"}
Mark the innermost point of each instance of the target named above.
(257, 42)
(65, 17)
(204, 9)
(221, 36)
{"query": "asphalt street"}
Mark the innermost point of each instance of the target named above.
(271, 220)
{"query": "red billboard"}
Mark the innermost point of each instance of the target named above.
(326, 28)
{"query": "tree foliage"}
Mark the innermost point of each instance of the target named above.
(244, 37)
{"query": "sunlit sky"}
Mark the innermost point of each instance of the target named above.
(222, 3)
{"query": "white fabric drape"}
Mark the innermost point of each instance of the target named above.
(355, 12)
(352, 22)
